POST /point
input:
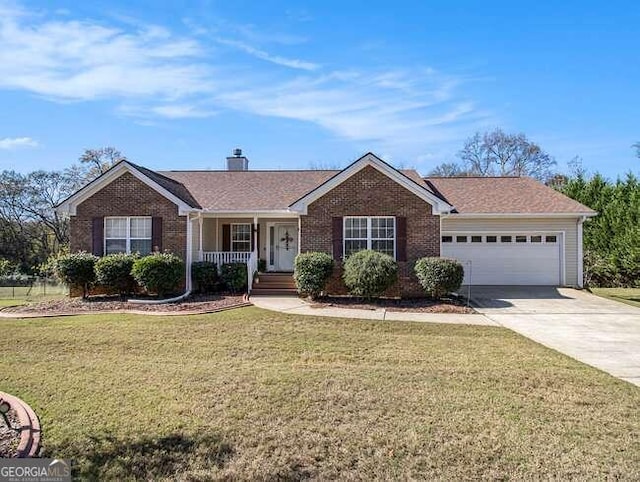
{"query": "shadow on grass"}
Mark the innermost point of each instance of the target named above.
(109, 457)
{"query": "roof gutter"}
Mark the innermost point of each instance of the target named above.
(523, 215)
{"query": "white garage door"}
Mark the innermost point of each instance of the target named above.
(506, 259)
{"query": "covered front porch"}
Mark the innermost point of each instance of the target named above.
(263, 241)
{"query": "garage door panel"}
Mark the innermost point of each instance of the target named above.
(507, 264)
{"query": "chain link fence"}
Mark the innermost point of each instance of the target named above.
(31, 287)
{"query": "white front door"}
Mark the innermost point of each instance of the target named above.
(286, 246)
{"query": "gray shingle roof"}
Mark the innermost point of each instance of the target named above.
(504, 195)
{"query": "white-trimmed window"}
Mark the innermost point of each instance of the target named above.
(373, 232)
(241, 237)
(127, 235)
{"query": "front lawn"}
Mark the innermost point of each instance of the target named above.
(249, 394)
(12, 302)
(630, 296)
(21, 295)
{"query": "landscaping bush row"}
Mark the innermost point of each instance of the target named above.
(368, 274)
(159, 274)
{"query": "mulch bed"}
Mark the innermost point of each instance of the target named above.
(418, 305)
(113, 303)
(9, 439)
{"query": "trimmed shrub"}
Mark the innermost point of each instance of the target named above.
(159, 273)
(76, 269)
(368, 274)
(234, 276)
(204, 275)
(114, 273)
(439, 276)
(312, 272)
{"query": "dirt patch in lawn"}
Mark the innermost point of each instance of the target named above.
(94, 304)
(418, 305)
(9, 438)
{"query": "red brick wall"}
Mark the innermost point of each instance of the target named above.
(127, 196)
(371, 193)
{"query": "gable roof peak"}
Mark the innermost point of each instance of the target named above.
(370, 159)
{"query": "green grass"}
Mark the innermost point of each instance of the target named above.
(21, 295)
(12, 302)
(249, 394)
(630, 296)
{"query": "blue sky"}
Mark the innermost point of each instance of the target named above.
(301, 84)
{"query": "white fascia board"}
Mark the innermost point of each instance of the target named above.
(439, 206)
(69, 206)
(270, 213)
(519, 215)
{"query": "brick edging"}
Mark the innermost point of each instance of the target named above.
(29, 444)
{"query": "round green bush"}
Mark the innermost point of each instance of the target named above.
(234, 276)
(76, 269)
(368, 274)
(114, 273)
(439, 276)
(204, 275)
(159, 273)
(312, 272)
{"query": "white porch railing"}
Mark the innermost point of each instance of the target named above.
(223, 257)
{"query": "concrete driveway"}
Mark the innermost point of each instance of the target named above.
(597, 331)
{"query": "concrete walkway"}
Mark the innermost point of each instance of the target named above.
(297, 306)
(599, 332)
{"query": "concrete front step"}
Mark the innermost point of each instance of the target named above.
(282, 282)
(273, 291)
(274, 284)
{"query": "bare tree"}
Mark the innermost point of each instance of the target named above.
(496, 153)
(324, 166)
(448, 169)
(28, 220)
(100, 160)
(93, 163)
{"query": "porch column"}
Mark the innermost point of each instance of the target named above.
(255, 235)
(200, 223)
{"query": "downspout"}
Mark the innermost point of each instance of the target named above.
(580, 253)
(188, 261)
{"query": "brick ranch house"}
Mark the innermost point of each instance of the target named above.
(505, 230)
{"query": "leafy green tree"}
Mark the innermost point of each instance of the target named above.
(611, 239)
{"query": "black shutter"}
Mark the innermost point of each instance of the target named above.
(156, 234)
(97, 236)
(336, 233)
(401, 238)
(226, 237)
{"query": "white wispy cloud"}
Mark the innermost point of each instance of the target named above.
(82, 60)
(153, 73)
(369, 108)
(263, 55)
(11, 143)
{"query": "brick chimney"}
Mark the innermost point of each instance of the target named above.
(237, 162)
